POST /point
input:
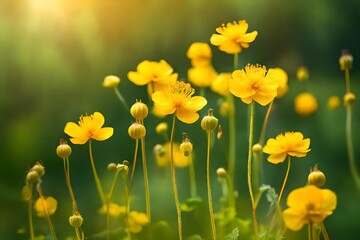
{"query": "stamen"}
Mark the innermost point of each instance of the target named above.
(182, 88)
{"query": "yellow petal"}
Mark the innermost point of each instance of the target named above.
(248, 37)
(79, 136)
(293, 219)
(186, 116)
(98, 120)
(138, 78)
(217, 39)
(277, 158)
(103, 133)
(196, 103)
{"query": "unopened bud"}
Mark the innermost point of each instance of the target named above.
(139, 110)
(111, 81)
(257, 148)
(209, 122)
(63, 150)
(32, 177)
(137, 130)
(221, 172)
(349, 99)
(111, 167)
(161, 128)
(39, 168)
(186, 146)
(345, 60)
(316, 177)
(76, 220)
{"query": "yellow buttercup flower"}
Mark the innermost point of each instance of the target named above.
(136, 221)
(89, 127)
(221, 84)
(290, 143)
(49, 203)
(281, 76)
(305, 104)
(252, 84)
(162, 156)
(308, 204)
(202, 76)
(157, 75)
(114, 209)
(200, 54)
(333, 102)
(233, 37)
(178, 99)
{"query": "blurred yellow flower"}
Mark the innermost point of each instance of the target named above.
(305, 104)
(281, 76)
(49, 203)
(157, 75)
(111, 81)
(291, 143)
(333, 102)
(308, 204)
(202, 76)
(200, 54)
(252, 84)
(233, 37)
(178, 99)
(136, 221)
(221, 84)
(114, 209)
(162, 156)
(302, 74)
(89, 127)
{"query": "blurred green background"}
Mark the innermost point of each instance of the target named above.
(55, 54)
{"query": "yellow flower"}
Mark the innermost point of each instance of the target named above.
(233, 37)
(49, 203)
(111, 81)
(333, 102)
(157, 75)
(252, 84)
(202, 76)
(302, 74)
(89, 127)
(200, 54)
(162, 156)
(292, 143)
(281, 76)
(305, 104)
(136, 221)
(308, 204)
(114, 209)
(178, 99)
(221, 84)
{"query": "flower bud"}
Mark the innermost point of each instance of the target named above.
(349, 99)
(76, 220)
(224, 109)
(139, 110)
(221, 172)
(111, 167)
(137, 130)
(32, 177)
(302, 74)
(345, 60)
(186, 146)
(111, 81)
(63, 150)
(26, 193)
(316, 177)
(161, 128)
(257, 148)
(209, 122)
(220, 132)
(39, 168)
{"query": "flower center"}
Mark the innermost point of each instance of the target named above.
(182, 89)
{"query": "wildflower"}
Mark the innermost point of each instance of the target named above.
(111, 81)
(316, 177)
(90, 127)
(157, 75)
(49, 203)
(139, 110)
(291, 143)
(302, 74)
(162, 156)
(186, 147)
(281, 76)
(333, 102)
(233, 37)
(200, 54)
(136, 221)
(202, 76)
(308, 204)
(209, 122)
(137, 130)
(178, 99)
(63, 150)
(305, 104)
(114, 209)
(252, 84)
(221, 84)
(76, 220)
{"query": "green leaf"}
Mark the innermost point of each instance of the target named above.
(233, 235)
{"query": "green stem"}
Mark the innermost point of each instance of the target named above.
(324, 232)
(122, 100)
(310, 230)
(97, 180)
(30, 213)
(146, 180)
(126, 194)
(44, 205)
(134, 166)
(285, 180)
(211, 211)
(193, 190)
(347, 80)
(266, 119)
(249, 169)
(173, 179)
(232, 151)
(236, 61)
(68, 183)
(108, 202)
